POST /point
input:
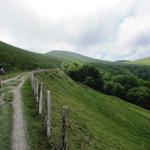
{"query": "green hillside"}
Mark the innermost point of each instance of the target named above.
(70, 56)
(12, 58)
(145, 61)
(96, 121)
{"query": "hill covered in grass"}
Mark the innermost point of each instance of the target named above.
(96, 121)
(118, 67)
(145, 61)
(13, 58)
(66, 56)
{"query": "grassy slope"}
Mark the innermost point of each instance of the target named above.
(70, 56)
(96, 121)
(5, 126)
(145, 61)
(15, 58)
(35, 134)
(6, 122)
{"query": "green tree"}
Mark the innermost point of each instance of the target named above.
(108, 87)
(113, 88)
(119, 90)
(86, 74)
(140, 95)
(128, 81)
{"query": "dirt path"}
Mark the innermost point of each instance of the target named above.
(11, 79)
(18, 133)
(6, 82)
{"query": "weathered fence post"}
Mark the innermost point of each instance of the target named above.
(41, 99)
(37, 90)
(34, 86)
(63, 140)
(31, 80)
(48, 114)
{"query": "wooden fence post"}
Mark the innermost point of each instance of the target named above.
(37, 90)
(32, 77)
(48, 114)
(63, 140)
(41, 99)
(34, 86)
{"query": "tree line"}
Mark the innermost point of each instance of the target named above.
(120, 82)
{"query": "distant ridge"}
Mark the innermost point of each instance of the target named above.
(13, 58)
(144, 61)
(71, 56)
(122, 61)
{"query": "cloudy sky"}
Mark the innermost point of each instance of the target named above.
(104, 29)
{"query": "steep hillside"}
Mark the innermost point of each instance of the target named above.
(70, 56)
(96, 121)
(12, 58)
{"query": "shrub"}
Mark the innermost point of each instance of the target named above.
(128, 81)
(140, 96)
(113, 88)
(86, 74)
(108, 87)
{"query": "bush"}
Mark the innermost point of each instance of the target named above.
(128, 81)
(113, 88)
(119, 90)
(140, 96)
(108, 87)
(86, 74)
(90, 82)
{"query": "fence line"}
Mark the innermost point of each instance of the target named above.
(38, 93)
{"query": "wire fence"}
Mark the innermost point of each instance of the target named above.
(43, 101)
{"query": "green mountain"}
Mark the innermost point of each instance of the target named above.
(12, 58)
(122, 61)
(96, 121)
(145, 61)
(70, 56)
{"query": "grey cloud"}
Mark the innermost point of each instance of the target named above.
(142, 40)
(95, 35)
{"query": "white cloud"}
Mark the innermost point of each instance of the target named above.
(115, 29)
